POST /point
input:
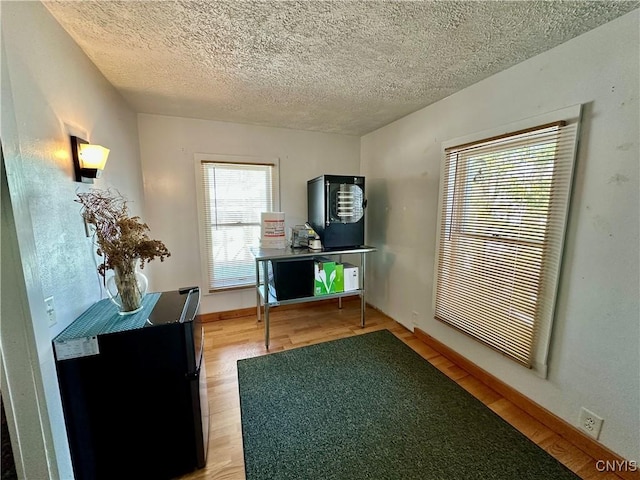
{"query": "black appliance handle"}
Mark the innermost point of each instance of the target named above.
(192, 291)
(195, 373)
(201, 357)
(184, 290)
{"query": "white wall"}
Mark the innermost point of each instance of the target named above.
(50, 89)
(594, 359)
(167, 148)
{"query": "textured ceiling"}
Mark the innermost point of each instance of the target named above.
(346, 67)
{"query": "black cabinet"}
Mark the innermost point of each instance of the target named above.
(291, 278)
(133, 389)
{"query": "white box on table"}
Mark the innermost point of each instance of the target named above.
(351, 277)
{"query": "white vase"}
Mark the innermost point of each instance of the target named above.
(127, 287)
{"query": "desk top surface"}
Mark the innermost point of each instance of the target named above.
(278, 253)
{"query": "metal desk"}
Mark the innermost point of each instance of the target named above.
(263, 255)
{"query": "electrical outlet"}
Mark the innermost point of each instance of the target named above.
(51, 311)
(590, 423)
(414, 317)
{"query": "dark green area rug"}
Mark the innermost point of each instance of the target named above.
(369, 407)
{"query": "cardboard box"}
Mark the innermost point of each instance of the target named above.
(272, 233)
(351, 276)
(339, 283)
(329, 277)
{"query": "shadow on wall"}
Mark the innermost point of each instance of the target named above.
(558, 328)
(402, 222)
(377, 225)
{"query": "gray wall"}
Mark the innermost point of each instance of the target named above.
(51, 90)
(167, 149)
(594, 358)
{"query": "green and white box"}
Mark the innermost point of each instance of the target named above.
(339, 283)
(329, 277)
(351, 277)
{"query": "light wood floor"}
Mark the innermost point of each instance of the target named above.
(227, 341)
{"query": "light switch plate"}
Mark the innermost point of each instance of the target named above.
(51, 311)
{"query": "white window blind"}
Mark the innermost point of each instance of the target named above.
(234, 194)
(504, 205)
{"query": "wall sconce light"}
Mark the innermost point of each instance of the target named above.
(88, 160)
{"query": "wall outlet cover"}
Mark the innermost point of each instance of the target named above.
(51, 311)
(590, 423)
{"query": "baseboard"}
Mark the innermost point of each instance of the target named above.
(251, 311)
(226, 315)
(544, 416)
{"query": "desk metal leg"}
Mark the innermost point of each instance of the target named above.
(362, 299)
(258, 289)
(266, 326)
(266, 304)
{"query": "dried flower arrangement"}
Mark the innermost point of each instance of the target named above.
(122, 240)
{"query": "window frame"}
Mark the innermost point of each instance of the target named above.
(199, 159)
(570, 115)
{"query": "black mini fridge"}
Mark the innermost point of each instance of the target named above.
(335, 207)
(134, 389)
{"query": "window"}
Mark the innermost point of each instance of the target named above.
(504, 204)
(233, 195)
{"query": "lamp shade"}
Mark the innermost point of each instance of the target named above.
(93, 156)
(88, 160)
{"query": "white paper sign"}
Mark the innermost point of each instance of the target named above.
(77, 347)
